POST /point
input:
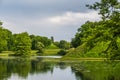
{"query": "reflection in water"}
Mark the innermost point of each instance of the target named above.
(37, 69)
(21, 69)
(97, 70)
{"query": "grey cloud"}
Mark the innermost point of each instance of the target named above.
(44, 6)
(22, 15)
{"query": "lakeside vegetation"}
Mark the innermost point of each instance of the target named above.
(100, 39)
(23, 44)
(92, 54)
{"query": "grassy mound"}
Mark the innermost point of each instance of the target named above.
(52, 46)
(51, 52)
(84, 52)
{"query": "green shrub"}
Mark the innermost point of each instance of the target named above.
(62, 52)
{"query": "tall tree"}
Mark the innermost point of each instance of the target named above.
(35, 39)
(64, 44)
(39, 47)
(107, 30)
(22, 45)
(4, 38)
(52, 39)
(106, 8)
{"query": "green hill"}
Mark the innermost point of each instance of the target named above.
(84, 51)
(52, 46)
(51, 50)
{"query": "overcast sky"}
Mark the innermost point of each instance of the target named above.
(58, 18)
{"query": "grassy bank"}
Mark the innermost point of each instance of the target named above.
(6, 53)
(50, 52)
(47, 52)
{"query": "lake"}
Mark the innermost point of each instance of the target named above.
(52, 69)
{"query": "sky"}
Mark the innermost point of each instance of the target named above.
(57, 18)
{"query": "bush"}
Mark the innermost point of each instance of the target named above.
(62, 52)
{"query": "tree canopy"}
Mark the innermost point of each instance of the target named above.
(106, 30)
(22, 44)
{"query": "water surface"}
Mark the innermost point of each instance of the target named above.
(39, 69)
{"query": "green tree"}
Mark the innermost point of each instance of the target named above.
(107, 8)
(4, 38)
(52, 39)
(3, 41)
(76, 41)
(110, 12)
(9, 40)
(39, 47)
(44, 40)
(64, 44)
(106, 31)
(22, 44)
(56, 43)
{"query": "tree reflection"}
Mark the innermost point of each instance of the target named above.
(97, 71)
(22, 67)
(83, 70)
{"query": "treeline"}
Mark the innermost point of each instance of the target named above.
(21, 43)
(102, 38)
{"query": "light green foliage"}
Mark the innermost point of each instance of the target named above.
(50, 52)
(107, 8)
(4, 38)
(77, 52)
(22, 44)
(3, 41)
(106, 31)
(52, 46)
(39, 47)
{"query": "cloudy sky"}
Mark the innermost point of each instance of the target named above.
(58, 18)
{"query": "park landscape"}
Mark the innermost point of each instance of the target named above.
(92, 54)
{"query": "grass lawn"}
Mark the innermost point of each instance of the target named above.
(47, 52)
(6, 53)
(50, 52)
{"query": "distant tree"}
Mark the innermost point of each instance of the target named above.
(52, 39)
(76, 41)
(45, 41)
(62, 52)
(35, 39)
(39, 47)
(57, 43)
(1, 23)
(22, 44)
(64, 44)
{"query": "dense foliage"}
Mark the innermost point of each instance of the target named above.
(62, 44)
(93, 34)
(5, 37)
(21, 43)
(44, 40)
